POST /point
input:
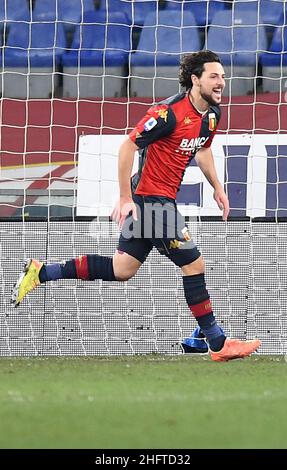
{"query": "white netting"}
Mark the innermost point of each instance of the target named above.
(92, 68)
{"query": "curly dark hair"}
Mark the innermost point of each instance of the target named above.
(193, 64)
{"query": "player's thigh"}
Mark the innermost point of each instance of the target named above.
(183, 254)
(176, 242)
(131, 252)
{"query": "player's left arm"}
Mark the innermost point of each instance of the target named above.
(205, 161)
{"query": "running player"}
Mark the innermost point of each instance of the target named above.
(167, 137)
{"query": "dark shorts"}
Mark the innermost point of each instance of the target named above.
(159, 225)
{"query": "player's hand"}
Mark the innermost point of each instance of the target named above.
(124, 206)
(222, 202)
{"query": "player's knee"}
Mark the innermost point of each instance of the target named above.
(196, 267)
(125, 266)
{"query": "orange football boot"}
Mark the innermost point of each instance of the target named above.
(235, 349)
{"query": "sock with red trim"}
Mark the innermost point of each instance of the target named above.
(198, 300)
(87, 267)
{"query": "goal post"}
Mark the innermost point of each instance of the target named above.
(66, 105)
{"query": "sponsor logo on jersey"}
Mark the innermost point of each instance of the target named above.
(162, 114)
(150, 124)
(187, 120)
(211, 121)
(190, 145)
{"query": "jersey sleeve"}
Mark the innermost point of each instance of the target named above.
(210, 139)
(213, 121)
(158, 122)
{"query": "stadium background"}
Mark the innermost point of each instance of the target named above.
(65, 73)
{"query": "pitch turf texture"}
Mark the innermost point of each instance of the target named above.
(143, 402)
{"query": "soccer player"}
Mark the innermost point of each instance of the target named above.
(168, 137)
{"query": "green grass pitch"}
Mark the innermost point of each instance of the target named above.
(163, 402)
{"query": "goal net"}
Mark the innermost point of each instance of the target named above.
(76, 77)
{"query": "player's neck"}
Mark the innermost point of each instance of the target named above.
(200, 106)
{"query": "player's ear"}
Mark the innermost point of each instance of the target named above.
(195, 80)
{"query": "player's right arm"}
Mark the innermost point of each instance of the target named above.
(158, 122)
(125, 204)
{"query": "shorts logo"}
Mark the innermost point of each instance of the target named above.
(175, 244)
(162, 114)
(150, 124)
(211, 121)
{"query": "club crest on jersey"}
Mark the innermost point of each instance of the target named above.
(211, 121)
(150, 124)
(162, 114)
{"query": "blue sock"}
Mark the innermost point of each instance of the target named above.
(50, 272)
(212, 331)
